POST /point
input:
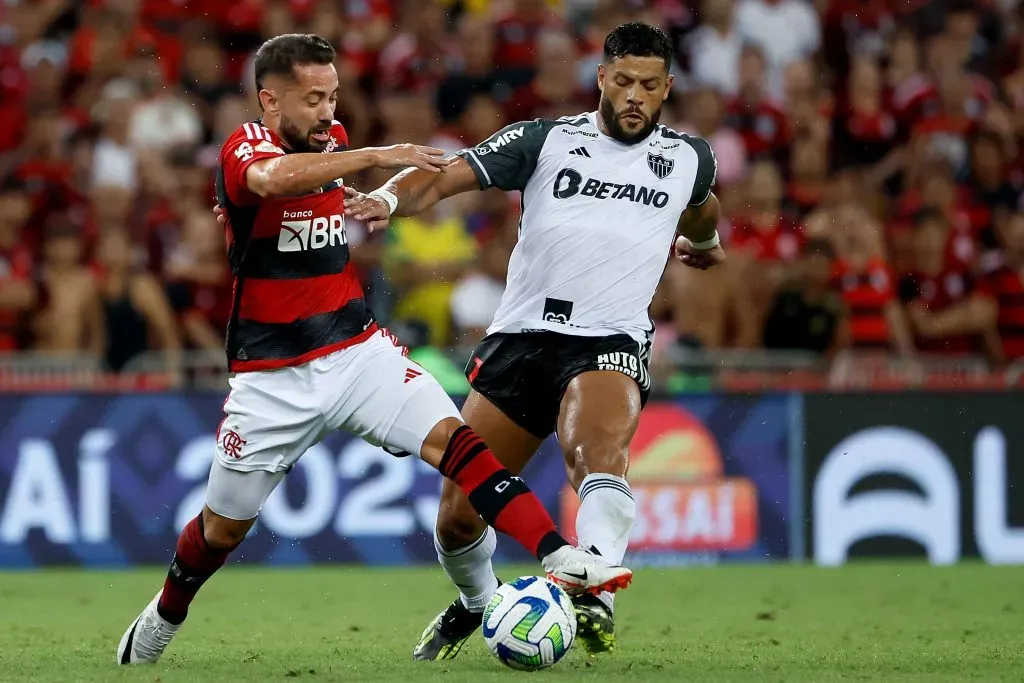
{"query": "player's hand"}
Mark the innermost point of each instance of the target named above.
(221, 214)
(696, 258)
(374, 212)
(405, 155)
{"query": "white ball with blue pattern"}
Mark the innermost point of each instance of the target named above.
(529, 624)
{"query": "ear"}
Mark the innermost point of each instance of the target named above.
(668, 86)
(269, 101)
(600, 77)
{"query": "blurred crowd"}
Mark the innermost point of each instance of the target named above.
(869, 164)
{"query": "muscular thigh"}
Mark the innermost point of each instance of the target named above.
(270, 419)
(598, 418)
(385, 398)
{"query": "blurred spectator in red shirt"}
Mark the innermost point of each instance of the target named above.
(864, 132)
(705, 116)
(1006, 283)
(516, 34)
(475, 74)
(552, 93)
(202, 284)
(421, 55)
(808, 172)
(863, 277)
(17, 291)
(808, 314)
(946, 310)
(937, 189)
(764, 242)
(761, 122)
(764, 231)
(855, 27)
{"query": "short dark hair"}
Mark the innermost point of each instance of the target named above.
(638, 40)
(280, 55)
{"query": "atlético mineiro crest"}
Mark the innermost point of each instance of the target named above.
(659, 165)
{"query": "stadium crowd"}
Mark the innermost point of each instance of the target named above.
(868, 153)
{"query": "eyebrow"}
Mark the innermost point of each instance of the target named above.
(320, 92)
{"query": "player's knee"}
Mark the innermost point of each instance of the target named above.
(594, 457)
(223, 533)
(458, 527)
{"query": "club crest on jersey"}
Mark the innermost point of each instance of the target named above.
(659, 165)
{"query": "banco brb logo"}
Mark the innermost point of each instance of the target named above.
(311, 233)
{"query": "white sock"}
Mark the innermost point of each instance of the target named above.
(470, 569)
(605, 518)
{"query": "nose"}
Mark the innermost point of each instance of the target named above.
(326, 112)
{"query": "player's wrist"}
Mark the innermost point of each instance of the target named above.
(706, 245)
(386, 196)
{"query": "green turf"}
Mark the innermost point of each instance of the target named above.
(739, 623)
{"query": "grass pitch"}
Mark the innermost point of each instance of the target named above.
(739, 623)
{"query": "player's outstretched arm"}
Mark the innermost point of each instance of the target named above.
(410, 192)
(296, 174)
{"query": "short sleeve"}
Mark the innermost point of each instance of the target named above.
(252, 142)
(508, 158)
(707, 169)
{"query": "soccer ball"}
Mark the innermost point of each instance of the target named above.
(529, 624)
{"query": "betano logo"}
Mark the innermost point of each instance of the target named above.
(684, 501)
(311, 233)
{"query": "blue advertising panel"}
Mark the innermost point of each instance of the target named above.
(109, 481)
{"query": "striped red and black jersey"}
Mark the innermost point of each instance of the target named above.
(1007, 286)
(954, 285)
(868, 292)
(296, 294)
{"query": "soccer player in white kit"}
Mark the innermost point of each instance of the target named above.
(607, 196)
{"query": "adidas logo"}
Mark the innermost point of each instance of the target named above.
(581, 152)
(411, 374)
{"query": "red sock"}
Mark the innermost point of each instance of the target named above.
(193, 563)
(503, 500)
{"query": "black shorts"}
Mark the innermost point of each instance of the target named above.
(525, 374)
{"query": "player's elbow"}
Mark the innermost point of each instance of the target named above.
(266, 180)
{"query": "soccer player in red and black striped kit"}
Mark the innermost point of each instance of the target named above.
(306, 354)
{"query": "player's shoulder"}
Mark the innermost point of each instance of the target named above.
(669, 139)
(250, 137)
(581, 124)
(669, 136)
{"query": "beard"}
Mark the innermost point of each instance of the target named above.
(613, 122)
(300, 141)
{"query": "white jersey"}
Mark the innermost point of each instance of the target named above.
(599, 219)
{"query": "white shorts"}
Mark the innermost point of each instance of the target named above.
(371, 390)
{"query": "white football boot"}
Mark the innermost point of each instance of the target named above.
(578, 571)
(147, 637)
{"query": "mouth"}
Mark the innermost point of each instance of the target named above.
(323, 136)
(632, 118)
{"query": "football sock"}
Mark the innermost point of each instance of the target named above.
(605, 518)
(502, 500)
(193, 563)
(470, 569)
